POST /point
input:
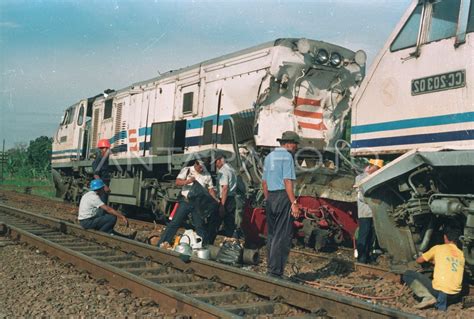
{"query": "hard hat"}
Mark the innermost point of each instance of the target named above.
(103, 143)
(192, 238)
(96, 184)
(376, 162)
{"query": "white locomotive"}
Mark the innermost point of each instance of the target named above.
(416, 108)
(239, 103)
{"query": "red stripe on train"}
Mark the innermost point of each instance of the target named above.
(301, 101)
(319, 126)
(313, 115)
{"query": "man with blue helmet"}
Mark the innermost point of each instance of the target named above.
(90, 216)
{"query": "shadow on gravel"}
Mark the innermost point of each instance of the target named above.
(333, 268)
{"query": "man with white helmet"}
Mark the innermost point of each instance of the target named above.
(90, 216)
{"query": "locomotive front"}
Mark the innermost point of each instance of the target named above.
(309, 90)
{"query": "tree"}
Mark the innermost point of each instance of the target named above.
(39, 156)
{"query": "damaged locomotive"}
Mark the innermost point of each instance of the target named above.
(238, 103)
(415, 107)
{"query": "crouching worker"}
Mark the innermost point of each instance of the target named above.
(196, 172)
(448, 262)
(91, 211)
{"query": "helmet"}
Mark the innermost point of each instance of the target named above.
(96, 184)
(103, 143)
(376, 162)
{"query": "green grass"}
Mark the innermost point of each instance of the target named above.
(40, 187)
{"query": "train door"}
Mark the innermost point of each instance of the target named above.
(82, 133)
(187, 109)
(65, 138)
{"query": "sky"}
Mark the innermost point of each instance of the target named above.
(54, 53)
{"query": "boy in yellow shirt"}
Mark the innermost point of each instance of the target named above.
(448, 262)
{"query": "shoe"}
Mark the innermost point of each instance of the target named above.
(269, 274)
(426, 303)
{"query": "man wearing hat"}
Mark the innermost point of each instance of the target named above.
(226, 192)
(366, 235)
(196, 172)
(278, 183)
(90, 216)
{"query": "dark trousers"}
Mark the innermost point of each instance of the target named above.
(215, 220)
(280, 231)
(365, 239)
(179, 217)
(442, 299)
(101, 222)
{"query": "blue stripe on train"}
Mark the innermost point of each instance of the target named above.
(415, 139)
(411, 123)
(190, 141)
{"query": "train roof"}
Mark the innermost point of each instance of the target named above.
(286, 42)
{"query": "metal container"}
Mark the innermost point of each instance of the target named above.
(202, 253)
(184, 249)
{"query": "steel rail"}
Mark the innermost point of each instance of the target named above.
(310, 299)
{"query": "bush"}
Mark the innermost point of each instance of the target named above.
(33, 161)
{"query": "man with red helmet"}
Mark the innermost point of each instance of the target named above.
(101, 167)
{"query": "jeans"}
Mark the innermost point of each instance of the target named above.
(365, 239)
(101, 222)
(181, 214)
(442, 299)
(280, 231)
(215, 220)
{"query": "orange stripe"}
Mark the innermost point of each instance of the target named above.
(132, 140)
(302, 101)
(313, 115)
(133, 149)
(132, 131)
(319, 126)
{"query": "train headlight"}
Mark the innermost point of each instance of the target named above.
(322, 56)
(360, 57)
(335, 59)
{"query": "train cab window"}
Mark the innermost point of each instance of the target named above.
(80, 117)
(409, 33)
(68, 116)
(65, 117)
(188, 102)
(108, 109)
(444, 19)
(470, 24)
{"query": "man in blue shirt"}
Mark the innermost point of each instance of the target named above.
(278, 184)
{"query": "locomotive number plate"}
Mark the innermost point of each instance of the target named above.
(439, 82)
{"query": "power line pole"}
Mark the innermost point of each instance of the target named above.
(3, 159)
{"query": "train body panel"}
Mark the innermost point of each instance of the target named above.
(417, 103)
(418, 96)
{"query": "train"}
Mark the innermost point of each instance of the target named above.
(414, 109)
(238, 104)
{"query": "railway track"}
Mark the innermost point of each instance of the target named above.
(148, 226)
(200, 288)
